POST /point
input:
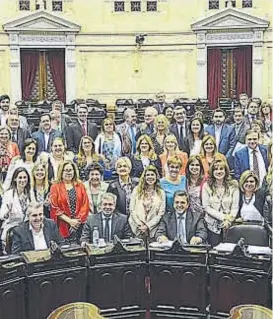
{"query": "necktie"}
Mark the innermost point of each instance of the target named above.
(13, 136)
(181, 136)
(180, 231)
(133, 138)
(255, 164)
(84, 128)
(107, 229)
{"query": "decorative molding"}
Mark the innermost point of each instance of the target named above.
(71, 64)
(258, 61)
(41, 21)
(201, 63)
(231, 18)
(14, 64)
(49, 39)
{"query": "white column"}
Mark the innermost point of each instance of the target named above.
(15, 68)
(257, 64)
(201, 65)
(70, 68)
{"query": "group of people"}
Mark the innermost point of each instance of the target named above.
(176, 177)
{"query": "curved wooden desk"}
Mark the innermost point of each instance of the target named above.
(77, 310)
(250, 312)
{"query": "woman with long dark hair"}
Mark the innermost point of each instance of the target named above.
(15, 201)
(195, 136)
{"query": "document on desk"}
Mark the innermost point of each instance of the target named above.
(259, 250)
(225, 247)
(165, 244)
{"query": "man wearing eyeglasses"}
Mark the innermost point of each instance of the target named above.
(36, 233)
(180, 127)
(108, 221)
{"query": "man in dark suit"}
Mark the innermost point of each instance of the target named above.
(224, 134)
(45, 135)
(160, 105)
(252, 157)
(4, 109)
(252, 111)
(180, 127)
(81, 127)
(18, 135)
(147, 127)
(240, 126)
(243, 101)
(36, 233)
(182, 223)
(108, 221)
(65, 120)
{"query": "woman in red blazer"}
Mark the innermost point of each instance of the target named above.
(69, 202)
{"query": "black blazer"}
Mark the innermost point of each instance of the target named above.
(258, 203)
(267, 213)
(21, 135)
(22, 239)
(137, 166)
(75, 132)
(195, 226)
(115, 188)
(183, 145)
(120, 227)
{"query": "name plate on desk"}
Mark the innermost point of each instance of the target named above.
(36, 256)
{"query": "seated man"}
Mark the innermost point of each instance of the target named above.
(182, 223)
(36, 233)
(108, 221)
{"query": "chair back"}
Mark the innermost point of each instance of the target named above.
(253, 234)
(9, 236)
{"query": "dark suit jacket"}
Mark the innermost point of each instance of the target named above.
(22, 239)
(242, 160)
(115, 188)
(227, 138)
(249, 120)
(21, 135)
(75, 132)
(267, 213)
(240, 136)
(120, 227)
(183, 145)
(258, 203)
(137, 166)
(195, 226)
(39, 136)
(160, 108)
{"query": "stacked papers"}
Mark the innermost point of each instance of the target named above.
(259, 250)
(225, 247)
(165, 244)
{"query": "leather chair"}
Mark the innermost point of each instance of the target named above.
(253, 234)
(9, 240)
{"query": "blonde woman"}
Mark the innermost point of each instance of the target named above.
(251, 197)
(147, 204)
(171, 148)
(161, 130)
(144, 156)
(207, 151)
(220, 199)
(108, 143)
(86, 156)
(173, 181)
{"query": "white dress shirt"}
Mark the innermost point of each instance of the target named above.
(46, 139)
(262, 169)
(218, 131)
(38, 239)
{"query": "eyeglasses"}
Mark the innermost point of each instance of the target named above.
(108, 124)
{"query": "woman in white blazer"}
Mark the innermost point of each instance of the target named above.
(15, 201)
(147, 205)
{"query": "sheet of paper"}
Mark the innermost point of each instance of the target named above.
(258, 250)
(165, 244)
(227, 247)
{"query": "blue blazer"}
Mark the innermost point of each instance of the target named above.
(39, 137)
(227, 138)
(242, 160)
